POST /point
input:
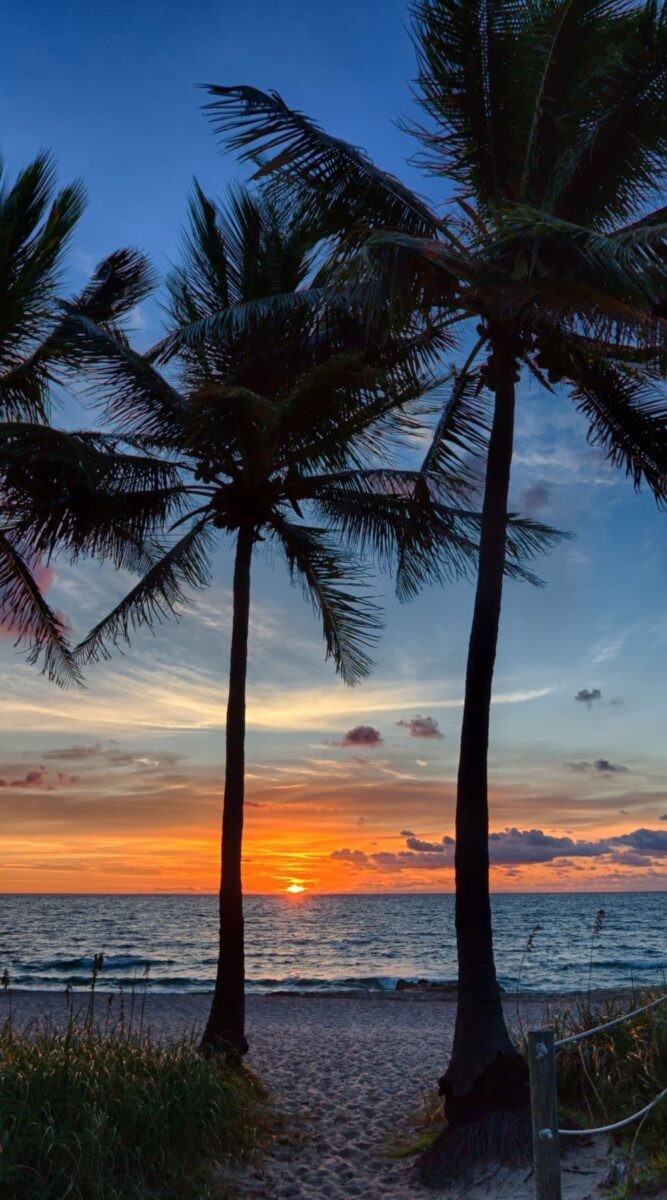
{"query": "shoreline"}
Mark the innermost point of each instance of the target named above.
(435, 994)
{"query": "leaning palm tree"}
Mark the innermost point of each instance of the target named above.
(276, 408)
(548, 122)
(40, 347)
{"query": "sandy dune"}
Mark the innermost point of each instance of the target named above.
(348, 1072)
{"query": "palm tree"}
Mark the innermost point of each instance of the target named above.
(548, 122)
(40, 348)
(276, 411)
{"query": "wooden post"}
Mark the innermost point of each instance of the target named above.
(544, 1109)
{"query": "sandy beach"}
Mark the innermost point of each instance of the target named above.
(348, 1072)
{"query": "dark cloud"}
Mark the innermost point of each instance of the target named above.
(534, 499)
(415, 843)
(587, 696)
(511, 848)
(646, 841)
(605, 767)
(601, 765)
(31, 779)
(516, 846)
(422, 727)
(664, 817)
(361, 735)
(357, 857)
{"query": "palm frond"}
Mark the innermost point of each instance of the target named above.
(79, 492)
(338, 185)
(25, 613)
(461, 434)
(118, 284)
(630, 263)
(332, 580)
(240, 320)
(627, 417)
(616, 159)
(35, 228)
(139, 401)
(164, 588)
(472, 83)
(386, 517)
(389, 517)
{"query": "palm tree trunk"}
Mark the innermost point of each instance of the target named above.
(485, 1073)
(225, 1029)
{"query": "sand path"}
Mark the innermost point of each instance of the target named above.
(348, 1073)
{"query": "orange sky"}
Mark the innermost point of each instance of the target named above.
(103, 818)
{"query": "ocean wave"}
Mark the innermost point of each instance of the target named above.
(86, 961)
(343, 983)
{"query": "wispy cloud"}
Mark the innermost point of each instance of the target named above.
(178, 697)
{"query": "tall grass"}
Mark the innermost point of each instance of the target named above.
(614, 1074)
(94, 1114)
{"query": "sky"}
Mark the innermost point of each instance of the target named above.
(118, 788)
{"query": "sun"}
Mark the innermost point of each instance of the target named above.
(295, 889)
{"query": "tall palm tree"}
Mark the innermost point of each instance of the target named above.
(277, 407)
(547, 120)
(40, 347)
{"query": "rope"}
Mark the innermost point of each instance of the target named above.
(579, 1037)
(618, 1124)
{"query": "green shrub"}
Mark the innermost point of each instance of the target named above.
(92, 1115)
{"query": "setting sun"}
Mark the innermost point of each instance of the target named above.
(295, 889)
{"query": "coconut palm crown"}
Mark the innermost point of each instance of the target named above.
(49, 478)
(547, 122)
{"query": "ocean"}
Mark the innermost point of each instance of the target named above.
(330, 942)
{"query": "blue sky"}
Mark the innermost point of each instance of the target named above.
(110, 89)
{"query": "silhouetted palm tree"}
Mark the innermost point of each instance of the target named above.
(548, 121)
(48, 478)
(276, 409)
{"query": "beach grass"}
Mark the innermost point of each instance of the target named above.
(614, 1074)
(110, 1114)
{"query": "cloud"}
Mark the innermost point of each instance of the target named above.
(512, 848)
(609, 649)
(428, 847)
(110, 754)
(534, 499)
(357, 857)
(361, 735)
(587, 696)
(422, 727)
(31, 779)
(646, 841)
(606, 767)
(601, 765)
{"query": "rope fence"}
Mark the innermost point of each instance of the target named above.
(579, 1037)
(542, 1048)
